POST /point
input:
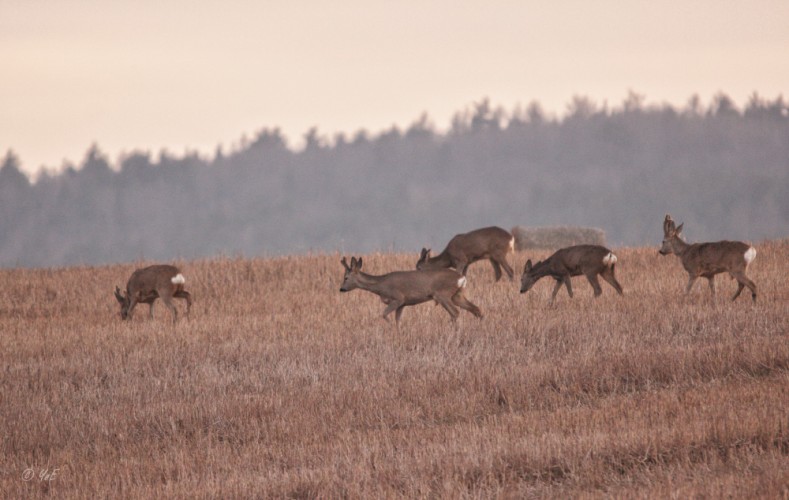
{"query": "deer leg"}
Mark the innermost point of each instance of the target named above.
(451, 309)
(393, 305)
(598, 291)
(711, 283)
(740, 286)
(168, 301)
(556, 288)
(132, 305)
(568, 285)
(496, 268)
(608, 275)
(691, 280)
(507, 269)
(461, 301)
(183, 294)
(460, 265)
(742, 282)
(398, 313)
(150, 310)
(752, 286)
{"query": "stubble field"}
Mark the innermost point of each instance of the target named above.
(279, 385)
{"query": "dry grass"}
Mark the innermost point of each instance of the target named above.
(281, 386)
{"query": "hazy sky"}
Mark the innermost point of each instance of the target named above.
(181, 75)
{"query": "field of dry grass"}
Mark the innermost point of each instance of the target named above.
(279, 385)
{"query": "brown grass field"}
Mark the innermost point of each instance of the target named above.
(280, 386)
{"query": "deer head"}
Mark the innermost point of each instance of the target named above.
(527, 279)
(350, 280)
(423, 257)
(671, 234)
(124, 302)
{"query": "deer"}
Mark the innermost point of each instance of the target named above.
(492, 243)
(407, 288)
(150, 283)
(590, 260)
(708, 259)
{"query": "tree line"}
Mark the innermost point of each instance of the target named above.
(722, 169)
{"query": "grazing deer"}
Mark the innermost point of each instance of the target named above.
(492, 243)
(408, 288)
(589, 260)
(708, 259)
(150, 283)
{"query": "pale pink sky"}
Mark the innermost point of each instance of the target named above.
(192, 75)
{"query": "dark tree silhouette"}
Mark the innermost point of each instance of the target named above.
(724, 170)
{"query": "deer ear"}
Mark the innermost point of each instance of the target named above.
(345, 264)
(668, 224)
(528, 266)
(424, 253)
(679, 228)
(359, 263)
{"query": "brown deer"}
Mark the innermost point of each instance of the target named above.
(589, 260)
(708, 259)
(150, 283)
(492, 243)
(407, 288)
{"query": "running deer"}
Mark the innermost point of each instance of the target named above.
(407, 288)
(708, 259)
(150, 283)
(492, 243)
(589, 260)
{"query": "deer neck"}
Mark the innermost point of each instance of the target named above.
(678, 246)
(370, 283)
(442, 259)
(541, 270)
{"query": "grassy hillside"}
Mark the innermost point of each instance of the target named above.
(280, 385)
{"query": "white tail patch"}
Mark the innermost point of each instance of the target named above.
(610, 259)
(512, 244)
(178, 279)
(462, 282)
(750, 254)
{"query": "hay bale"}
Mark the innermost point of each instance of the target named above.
(555, 237)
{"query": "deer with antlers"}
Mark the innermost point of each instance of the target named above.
(407, 288)
(708, 259)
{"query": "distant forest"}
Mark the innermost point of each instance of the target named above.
(720, 168)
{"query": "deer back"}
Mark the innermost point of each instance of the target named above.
(421, 285)
(716, 257)
(480, 242)
(153, 280)
(583, 259)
